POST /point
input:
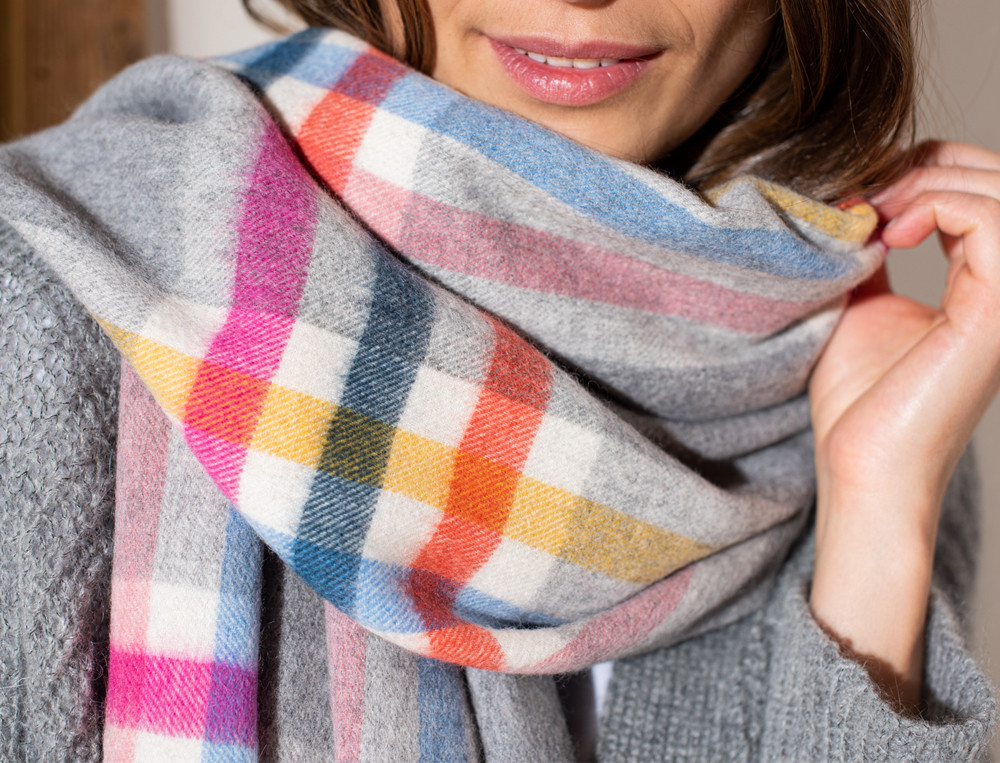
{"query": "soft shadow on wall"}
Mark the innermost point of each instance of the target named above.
(960, 102)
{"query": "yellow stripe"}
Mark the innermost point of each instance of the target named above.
(167, 373)
(420, 469)
(854, 224)
(603, 539)
(293, 426)
(551, 520)
(540, 515)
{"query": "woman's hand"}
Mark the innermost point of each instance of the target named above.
(895, 398)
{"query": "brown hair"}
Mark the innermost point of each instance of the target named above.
(827, 111)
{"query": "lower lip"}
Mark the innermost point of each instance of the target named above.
(564, 85)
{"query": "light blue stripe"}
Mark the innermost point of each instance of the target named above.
(380, 598)
(440, 697)
(227, 753)
(575, 175)
(383, 602)
(480, 608)
(300, 56)
(238, 616)
(601, 190)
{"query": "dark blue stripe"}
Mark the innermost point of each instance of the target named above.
(393, 344)
(344, 492)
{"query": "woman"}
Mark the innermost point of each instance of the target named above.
(629, 492)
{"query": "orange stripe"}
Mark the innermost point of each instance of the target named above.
(501, 430)
(454, 552)
(225, 403)
(331, 136)
(334, 130)
(467, 645)
(487, 469)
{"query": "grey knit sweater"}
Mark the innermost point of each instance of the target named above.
(769, 687)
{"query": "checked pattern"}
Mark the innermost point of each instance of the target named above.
(501, 401)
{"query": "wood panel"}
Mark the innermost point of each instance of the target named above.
(54, 53)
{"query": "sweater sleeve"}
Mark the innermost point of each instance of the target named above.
(58, 388)
(774, 686)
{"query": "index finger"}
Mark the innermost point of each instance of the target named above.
(943, 153)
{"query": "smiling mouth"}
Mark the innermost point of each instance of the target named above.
(571, 74)
(569, 63)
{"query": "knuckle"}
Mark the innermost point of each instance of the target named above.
(990, 211)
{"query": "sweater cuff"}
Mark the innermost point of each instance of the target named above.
(823, 706)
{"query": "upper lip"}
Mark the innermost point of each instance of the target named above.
(548, 46)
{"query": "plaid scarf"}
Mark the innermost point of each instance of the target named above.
(503, 402)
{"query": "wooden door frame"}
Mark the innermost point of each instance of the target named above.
(54, 53)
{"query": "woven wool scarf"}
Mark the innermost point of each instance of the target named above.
(503, 402)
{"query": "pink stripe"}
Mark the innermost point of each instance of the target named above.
(628, 623)
(129, 612)
(179, 698)
(469, 243)
(345, 641)
(119, 744)
(143, 441)
(387, 219)
(222, 460)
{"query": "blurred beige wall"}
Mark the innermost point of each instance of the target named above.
(961, 101)
(210, 27)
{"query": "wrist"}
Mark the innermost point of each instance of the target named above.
(880, 513)
(874, 559)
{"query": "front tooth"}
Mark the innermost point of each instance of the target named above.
(537, 57)
(556, 61)
(586, 63)
(521, 51)
(609, 61)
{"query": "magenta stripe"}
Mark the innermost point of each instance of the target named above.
(221, 459)
(470, 243)
(272, 261)
(177, 697)
(251, 342)
(276, 231)
(345, 641)
(275, 236)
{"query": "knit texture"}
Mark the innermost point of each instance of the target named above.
(624, 467)
(58, 395)
(708, 698)
(774, 687)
